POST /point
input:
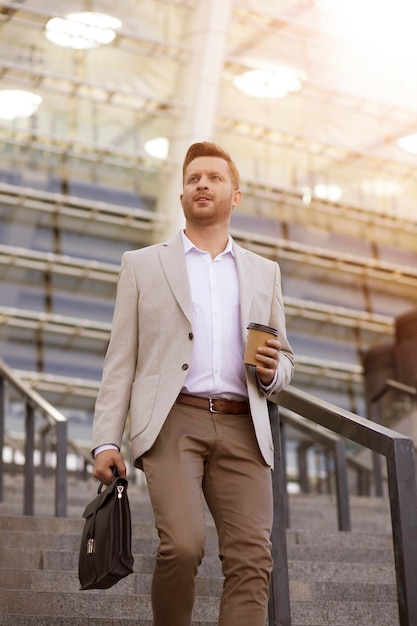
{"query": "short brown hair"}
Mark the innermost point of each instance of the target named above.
(207, 148)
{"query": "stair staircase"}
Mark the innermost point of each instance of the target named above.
(336, 578)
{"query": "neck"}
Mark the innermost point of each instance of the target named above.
(212, 240)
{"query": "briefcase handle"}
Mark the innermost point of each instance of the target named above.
(115, 475)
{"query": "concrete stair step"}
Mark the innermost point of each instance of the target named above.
(61, 581)
(21, 607)
(27, 540)
(52, 534)
(336, 578)
(306, 511)
(306, 583)
(67, 560)
(57, 560)
(320, 511)
(92, 604)
(337, 613)
(48, 620)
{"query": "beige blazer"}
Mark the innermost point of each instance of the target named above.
(151, 343)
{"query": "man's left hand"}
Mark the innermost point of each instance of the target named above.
(268, 357)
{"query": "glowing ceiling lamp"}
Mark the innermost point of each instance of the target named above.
(408, 143)
(268, 83)
(330, 192)
(157, 147)
(17, 103)
(82, 31)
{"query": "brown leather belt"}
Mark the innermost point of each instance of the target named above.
(215, 405)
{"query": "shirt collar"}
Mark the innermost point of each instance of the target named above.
(188, 245)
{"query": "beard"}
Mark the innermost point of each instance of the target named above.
(209, 213)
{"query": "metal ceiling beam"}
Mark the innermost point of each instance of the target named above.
(287, 205)
(34, 18)
(341, 316)
(310, 145)
(261, 21)
(81, 89)
(61, 385)
(100, 331)
(57, 324)
(282, 25)
(66, 147)
(331, 370)
(66, 385)
(74, 147)
(322, 94)
(99, 94)
(277, 249)
(368, 223)
(57, 263)
(374, 225)
(79, 209)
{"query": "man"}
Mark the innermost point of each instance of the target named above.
(199, 418)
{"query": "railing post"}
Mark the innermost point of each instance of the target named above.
(403, 501)
(61, 470)
(343, 508)
(329, 471)
(279, 613)
(29, 470)
(376, 458)
(42, 453)
(302, 451)
(284, 471)
(363, 483)
(2, 429)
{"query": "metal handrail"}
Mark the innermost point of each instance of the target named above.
(389, 385)
(337, 446)
(35, 403)
(402, 486)
(397, 448)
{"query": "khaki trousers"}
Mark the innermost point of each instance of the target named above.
(198, 452)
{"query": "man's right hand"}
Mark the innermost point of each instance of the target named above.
(104, 463)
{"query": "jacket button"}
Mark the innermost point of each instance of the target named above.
(185, 366)
(190, 336)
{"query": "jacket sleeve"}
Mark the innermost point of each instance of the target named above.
(285, 370)
(113, 400)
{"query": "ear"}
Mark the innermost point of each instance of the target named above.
(237, 197)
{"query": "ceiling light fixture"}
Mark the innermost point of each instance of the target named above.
(82, 31)
(268, 83)
(17, 103)
(381, 187)
(157, 147)
(408, 143)
(333, 193)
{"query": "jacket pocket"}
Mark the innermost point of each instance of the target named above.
(142, 402)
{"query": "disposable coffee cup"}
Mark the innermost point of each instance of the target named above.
(258, 334)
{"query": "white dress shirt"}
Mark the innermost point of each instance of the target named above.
(217, 368)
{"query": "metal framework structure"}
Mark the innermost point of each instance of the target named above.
(100, 106)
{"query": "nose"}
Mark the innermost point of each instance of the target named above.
(202, 183)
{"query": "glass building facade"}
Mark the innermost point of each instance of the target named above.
(77, 188)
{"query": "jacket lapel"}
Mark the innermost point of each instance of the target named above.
(174, 267)
(247, 277)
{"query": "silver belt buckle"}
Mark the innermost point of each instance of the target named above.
(211, 408)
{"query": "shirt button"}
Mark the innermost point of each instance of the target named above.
(190, 336)
(185, 366)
